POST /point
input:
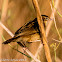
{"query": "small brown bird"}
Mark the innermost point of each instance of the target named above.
(28, 32)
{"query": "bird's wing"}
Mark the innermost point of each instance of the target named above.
(26, 26)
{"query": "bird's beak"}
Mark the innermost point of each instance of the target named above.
(51, 19)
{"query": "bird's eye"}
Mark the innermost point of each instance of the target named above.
(47, 18)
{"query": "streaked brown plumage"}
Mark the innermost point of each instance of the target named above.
(28, 32)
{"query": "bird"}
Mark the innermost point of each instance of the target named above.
(28, 32)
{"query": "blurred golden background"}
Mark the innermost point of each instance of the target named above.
(19, 12)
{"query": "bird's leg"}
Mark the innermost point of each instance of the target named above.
(22, 44)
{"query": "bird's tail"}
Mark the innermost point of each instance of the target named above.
(16, 37)
(10, 40)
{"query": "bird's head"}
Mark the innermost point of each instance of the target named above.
(45, 18)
